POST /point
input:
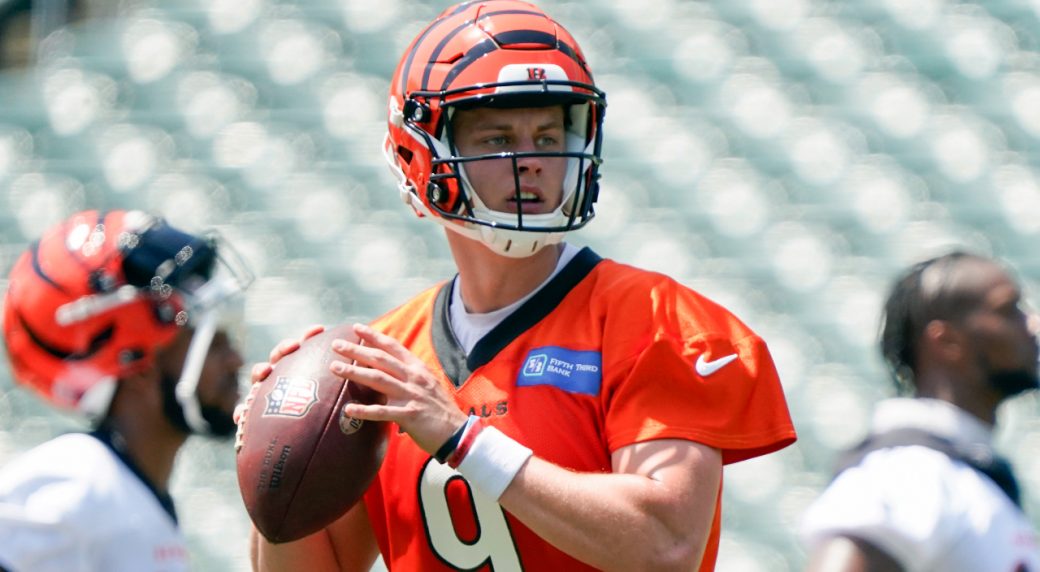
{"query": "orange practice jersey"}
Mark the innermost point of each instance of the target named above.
(604, 356)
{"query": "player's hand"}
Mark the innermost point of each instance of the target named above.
(283, 348)
(261, 370)
(415, 399)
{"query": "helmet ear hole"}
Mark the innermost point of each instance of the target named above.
(405, 154)
(435, 193)
(417, 112)
(440, 194)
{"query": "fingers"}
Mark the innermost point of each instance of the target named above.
(284, 348)
(370, 356)
(312, 331)
(373, 412)
(288, 346)
(375, 379)
(382, 341)
(260, 371)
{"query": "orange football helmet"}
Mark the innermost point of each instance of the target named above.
(96, 296)
(495, 53)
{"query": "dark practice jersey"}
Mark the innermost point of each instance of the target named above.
(603, 356)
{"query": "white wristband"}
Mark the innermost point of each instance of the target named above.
(493, 461)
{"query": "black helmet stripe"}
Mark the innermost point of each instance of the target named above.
(95, 344)
(444, 42)
(406, 69)
(476, 52)
(34, 254)
(465, 5)
(511, 37)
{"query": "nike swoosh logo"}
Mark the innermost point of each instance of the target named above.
(705, 368)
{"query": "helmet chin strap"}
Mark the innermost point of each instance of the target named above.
(184, 391)
(207, 302)
(181, 401)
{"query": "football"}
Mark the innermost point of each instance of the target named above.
(302, 463)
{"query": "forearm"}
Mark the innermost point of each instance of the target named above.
(313, 552)
(355, 550)
(617, 521)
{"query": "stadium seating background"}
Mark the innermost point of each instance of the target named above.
(785, 157)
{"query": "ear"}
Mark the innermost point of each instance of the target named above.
(945, 341)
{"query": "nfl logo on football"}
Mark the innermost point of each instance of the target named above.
(291, 397)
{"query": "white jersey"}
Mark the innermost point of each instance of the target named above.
(72, 505)
(926, 510)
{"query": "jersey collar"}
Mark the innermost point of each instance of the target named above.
(457, 365)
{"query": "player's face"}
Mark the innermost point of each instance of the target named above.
(218, 387)
(1002, 332)
(483, 131)
(218, 383)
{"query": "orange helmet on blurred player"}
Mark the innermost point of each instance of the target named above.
(495, 53)
(96, 297)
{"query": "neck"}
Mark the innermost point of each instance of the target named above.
(151, 447)
(489, 281)
(973, 398)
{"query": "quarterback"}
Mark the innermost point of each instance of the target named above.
(550, 402)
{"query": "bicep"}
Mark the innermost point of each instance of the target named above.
(674, 462)
(687, 477)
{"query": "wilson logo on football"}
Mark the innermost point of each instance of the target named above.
(291, 397)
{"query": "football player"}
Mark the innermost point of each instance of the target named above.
(557, 410)
(121, 318)
(926, 490)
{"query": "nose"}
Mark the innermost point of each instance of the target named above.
(528, 164)
(235, 361)
(1033, 323)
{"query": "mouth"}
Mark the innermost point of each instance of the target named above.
(529, 200)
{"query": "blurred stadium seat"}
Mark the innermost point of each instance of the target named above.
(786, 157)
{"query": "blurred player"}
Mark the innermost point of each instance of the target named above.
(116, 316)
(558, 410)
(925, 490)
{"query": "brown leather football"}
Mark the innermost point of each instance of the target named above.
(303, 463)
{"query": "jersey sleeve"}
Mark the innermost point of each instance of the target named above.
(696, 373)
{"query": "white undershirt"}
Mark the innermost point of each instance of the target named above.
(469, 328)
